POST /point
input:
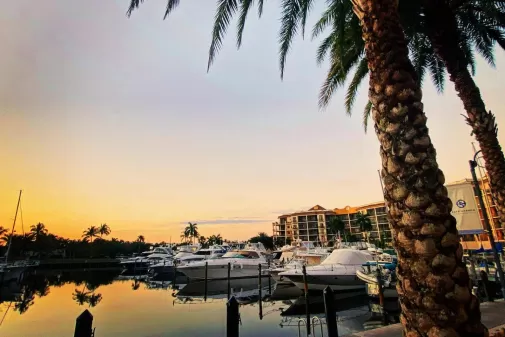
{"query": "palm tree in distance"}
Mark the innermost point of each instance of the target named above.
(37, 231)
(337, 225)
(2, 231)
(141, 239)
(192, 231)
(90, 233)
(104, 229)
(432, 278)
(365, 225)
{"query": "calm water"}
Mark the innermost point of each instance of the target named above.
(47, 304)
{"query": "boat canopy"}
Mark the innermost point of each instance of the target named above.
(348, 257)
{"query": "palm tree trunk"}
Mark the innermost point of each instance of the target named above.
(444, 36)
(433, 283)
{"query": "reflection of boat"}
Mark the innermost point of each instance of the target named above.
(243, 263)
(244, 290)
(338, 271)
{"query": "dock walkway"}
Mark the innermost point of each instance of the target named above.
(493, 316)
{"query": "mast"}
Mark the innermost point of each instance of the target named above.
(13, 226)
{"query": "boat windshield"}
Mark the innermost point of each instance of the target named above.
(241, 255)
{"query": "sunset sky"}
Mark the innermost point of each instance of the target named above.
(105, 119)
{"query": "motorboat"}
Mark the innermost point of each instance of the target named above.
(243, 263)
(299, 260)
(338, 271)
(383, 271)
(141, 263)
(186, 250)
(212, 252)
(168, 267)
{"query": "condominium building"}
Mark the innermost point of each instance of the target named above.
(312, 224)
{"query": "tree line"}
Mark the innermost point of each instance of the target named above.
(38, 242)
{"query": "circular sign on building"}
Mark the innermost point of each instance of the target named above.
(461, 203)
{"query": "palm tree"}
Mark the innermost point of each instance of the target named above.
(192, 231)
(37, 231)
(141, 239)
(104, 229)
(433, 283)
(337, 225)
(90, 233)
(2, 231)
(365, 224)
(441, 35)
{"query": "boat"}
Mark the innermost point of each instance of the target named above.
(141, 263)
(166, 268)
(337, 271)
(372, 272)
(243, 263)
(299, 258)
(14, 271)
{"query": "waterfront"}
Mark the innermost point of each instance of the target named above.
(47, 304)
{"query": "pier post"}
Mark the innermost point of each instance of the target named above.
(269, 280)
(260, 294)
(84, 325)
(306, 293)
(175, 274)
(381, 293)
(205, 286)
(232, 318)
(229, 275)
(330, 311)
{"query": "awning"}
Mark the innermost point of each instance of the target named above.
(498, 245)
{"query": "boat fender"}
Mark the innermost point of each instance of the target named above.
(231, 266)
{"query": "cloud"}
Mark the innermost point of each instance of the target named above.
(228, 221)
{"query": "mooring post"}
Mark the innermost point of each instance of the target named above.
(232, 318)
(84, 325)
(381, 293)
(228, 278)
(205, 286)
(260, 294)
(175, 274)
(306, 293)
(331, 312)
(269, 280)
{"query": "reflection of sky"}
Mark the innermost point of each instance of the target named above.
(145, 313)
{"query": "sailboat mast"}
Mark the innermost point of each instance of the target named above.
(13, 226)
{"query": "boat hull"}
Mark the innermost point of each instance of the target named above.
(279, 279)
(134, 268)
(220, 272)
(320, 282)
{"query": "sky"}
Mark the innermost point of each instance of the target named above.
(109, 119)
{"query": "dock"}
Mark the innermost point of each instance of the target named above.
(493, 317)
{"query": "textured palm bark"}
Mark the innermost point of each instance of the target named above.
(433, 283)
(442, 31)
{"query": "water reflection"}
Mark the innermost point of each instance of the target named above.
(113, 297)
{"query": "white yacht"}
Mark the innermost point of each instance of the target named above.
(167, 267)
(243, 263)
(186, 250)
(142, 262)
(338, 271)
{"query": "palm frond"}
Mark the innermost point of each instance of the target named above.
(245, 6)
(437, 70)
(305, 7)
(367, 112)
(290, 19)
(352, 90)
(171, 5)
(324, 47)
(334, 79)
(134, 4)
(260, 8)
(224, 13)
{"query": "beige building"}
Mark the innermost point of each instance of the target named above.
(311, 225)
